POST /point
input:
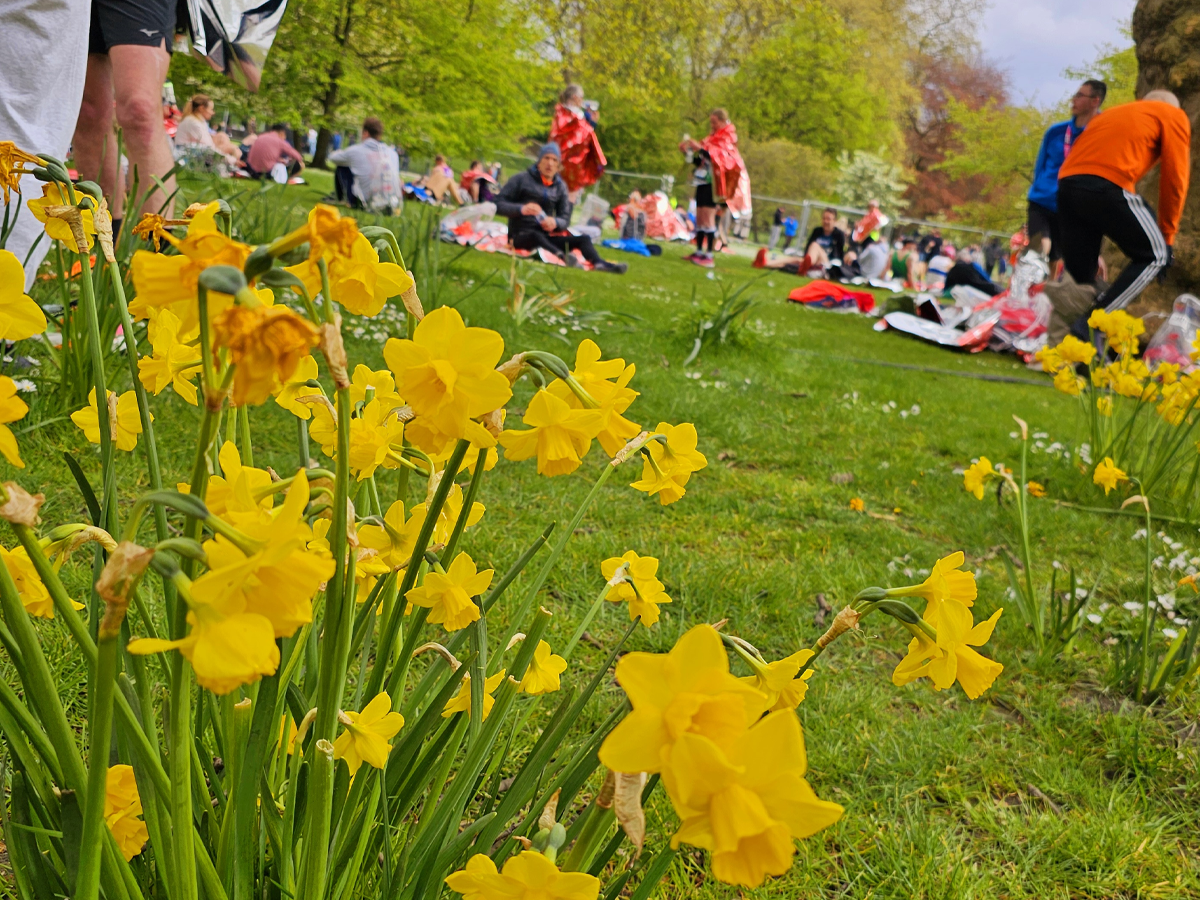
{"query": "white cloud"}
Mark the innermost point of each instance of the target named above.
(1035, 40)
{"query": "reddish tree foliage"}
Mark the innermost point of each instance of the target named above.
(929, 134)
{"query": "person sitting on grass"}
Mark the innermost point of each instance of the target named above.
(476, 185)
(270, 154)
(368, 173)
(906, 263)
(535, 202)
(826, 247)
(967, 270)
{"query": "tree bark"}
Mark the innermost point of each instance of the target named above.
(1167, 34)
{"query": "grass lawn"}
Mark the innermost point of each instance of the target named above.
(1048, 786)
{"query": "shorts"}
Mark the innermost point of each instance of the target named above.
(1044, 222)
(143, 23)
(704, 197)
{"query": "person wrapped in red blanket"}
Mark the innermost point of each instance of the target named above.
(574, 131)
(718, 168)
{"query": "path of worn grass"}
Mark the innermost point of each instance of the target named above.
(1048, 787)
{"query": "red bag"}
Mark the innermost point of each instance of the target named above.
(583, 161)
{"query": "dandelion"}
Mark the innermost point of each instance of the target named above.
(461, 702)
(633, 579)
(448, 597)
(122, 806)
(20, 317)
(542, 676)
(1108, 475)
(367, 734)
(123, 416)
(856, 504)
(527, 876)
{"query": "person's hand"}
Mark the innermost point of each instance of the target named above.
(530, 209)
(549, 223)
(1162, 274)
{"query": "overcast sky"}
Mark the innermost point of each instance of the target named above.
(1035, 40)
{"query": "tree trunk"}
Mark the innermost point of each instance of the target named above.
(1168, 51)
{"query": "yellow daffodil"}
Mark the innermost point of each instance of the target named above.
(173, 362)
(448, 597)
(1167, 373)
(1107, 475)
(12, 409)
(950, 658)
(12, 166)
(222, 491)
(668, 467)
(747, 804)
(637, 584)
(1075, 351)
(976, 476)
(122, 807)
(30, 589)
(57, 229)
(395, 538)
(1104, 406)
(945, 582)
(490, 457)
(527, 876)
(779, 681)
(291, 390)
(444, 526)
(1068, 382)
(1035, 489)
(461, 702)
(123, 415)
(372, 435)
(245, 601)
(367, 564)
(1049, 358)
(542, 676)
(367, 733)
(266, 344)
(381, 384)
(559, 435)
(1179, 397)
(20, 317)
(687, 690)
(328, 233)
(447, 374)
(359, 282)
(173, 281)
(323, 428)
(1121, 329)
(606, 381)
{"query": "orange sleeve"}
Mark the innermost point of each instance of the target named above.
(1173, 172)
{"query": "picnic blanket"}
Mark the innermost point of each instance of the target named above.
(727, 161)
(583, 161)
(827, 295)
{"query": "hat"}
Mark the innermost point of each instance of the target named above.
(550, 149)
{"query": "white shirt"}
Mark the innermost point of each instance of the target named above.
(376, 169)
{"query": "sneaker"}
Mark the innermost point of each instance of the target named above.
(704, 260)
(760, 259)
(616, 268)
(691, 257)
(572, 260)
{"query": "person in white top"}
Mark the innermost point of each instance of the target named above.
(369, 171)
(193, 130)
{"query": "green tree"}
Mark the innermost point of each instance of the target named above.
(863, 177)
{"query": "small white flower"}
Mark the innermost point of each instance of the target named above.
(1040, 434)
(892, 404)
(1095, 619)
(915, 409)
(24, 385)
(1080, 593)
(1132, 605)
(1014, 435)
(1057, 564)
(1139, 534)
(1171, 633)
(904, 413)
(1104, 607)
(1166, 601)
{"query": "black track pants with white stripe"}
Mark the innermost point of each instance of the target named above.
(1091, 208)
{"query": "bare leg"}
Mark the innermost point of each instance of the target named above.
(95, 144)
(1045, 246)
(138, 74)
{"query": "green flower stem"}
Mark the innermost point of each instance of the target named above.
(1035, 607)
(92, 844)
(87, 297)
(392, 627)
(1144, 665)
(565, 653)
(331, 677)
(244, 427)
(594, 829)
(302, 441)
(468, 501)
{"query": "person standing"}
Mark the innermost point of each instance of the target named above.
(776, 229)
(128, 55)
(574, 130)
(1042, 212)
(717, 169)
(1097, 198)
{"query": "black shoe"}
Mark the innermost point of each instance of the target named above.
(571, 260)
(616, 268)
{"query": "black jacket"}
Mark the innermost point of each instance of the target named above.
(527, 187)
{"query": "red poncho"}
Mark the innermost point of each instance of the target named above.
(727, 161)
(583, 161)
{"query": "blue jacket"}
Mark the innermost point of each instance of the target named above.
(1044, 190)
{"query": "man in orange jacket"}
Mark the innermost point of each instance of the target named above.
(1097, 196)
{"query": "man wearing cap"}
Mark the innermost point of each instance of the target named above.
(538, 210)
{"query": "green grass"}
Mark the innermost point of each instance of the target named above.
(1049, 786)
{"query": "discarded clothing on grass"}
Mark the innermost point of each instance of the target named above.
(972, 340)
(827, 295)
(632, 245)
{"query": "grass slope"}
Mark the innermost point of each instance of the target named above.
(1047, 787)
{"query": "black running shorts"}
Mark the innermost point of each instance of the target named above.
(1043, 222)
(704, 197)
(144, 23)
